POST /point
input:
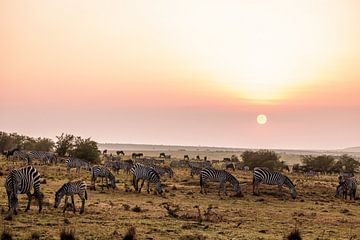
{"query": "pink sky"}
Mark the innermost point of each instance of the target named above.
(183, 72)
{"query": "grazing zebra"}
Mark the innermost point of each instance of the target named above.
(44, 157)
(228, 165)
(195, 171)
(347, 186)
(186, 157)
(222, 176)
(263, 175)
(21, 181)
(22, 155)
(148, 174)
(77, 163)
(103, 172)
(70, 189)
(10, 153)
(162, 170)
(311, 173)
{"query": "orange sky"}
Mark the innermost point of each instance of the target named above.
(183, 72)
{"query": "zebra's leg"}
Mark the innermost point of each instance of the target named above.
(66, 203)
(148, 186)
(106, 182)
(73, 202)
(29, 201)
(142, 184)
(82, 203)
(220, 188)
(102, 183)
(224, 188)
(134, 183)
(279, 189)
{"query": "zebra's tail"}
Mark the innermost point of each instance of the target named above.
(86, 195)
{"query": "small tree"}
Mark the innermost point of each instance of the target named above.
(323, 163)
(262, 158)
(86, 149)
(64, 144)
(348, 163)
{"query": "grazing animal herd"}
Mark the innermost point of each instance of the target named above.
(23, 180)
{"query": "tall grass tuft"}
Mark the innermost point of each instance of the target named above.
(294, 235)
(131, 234)
(67, 234)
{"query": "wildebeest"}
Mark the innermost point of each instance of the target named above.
(162, 155)
(120, 153)
(228, 165)
(137, 155)
(227, 160)
(197, 157)
(186, 157)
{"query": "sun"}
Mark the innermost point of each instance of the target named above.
(261, 119)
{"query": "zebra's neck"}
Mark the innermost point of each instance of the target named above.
(289, 183)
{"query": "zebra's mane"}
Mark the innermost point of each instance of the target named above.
(232, 179)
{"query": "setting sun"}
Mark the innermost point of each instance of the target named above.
(261, 119)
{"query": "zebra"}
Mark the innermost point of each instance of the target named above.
(195, 171)
(346, 186)
(70, 189)
(222, 176)
(263, 175)
(22, 155)
(228, 165)
(162, 170)
(21, 181)
(103, 172)
(76, 163)
(148, 174)
(44, 157)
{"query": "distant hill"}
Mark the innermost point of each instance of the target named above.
(352, 149)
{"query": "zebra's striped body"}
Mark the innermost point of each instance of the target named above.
(70, 189)
(44, 157)
(347, 186)
(21, 181)
(266, 176)
(148, 174)
(103, 172)
(21, 155)
(222, 176)
(162, 170)
(76, 163)
(195, 171)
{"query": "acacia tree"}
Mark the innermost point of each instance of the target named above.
(64, 144)
(86, 149)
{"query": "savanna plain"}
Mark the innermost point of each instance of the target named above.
(182, 212)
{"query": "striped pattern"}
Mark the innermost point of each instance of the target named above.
(21, 181)
(43, 157)
(347, 186)
(70, 189)
(163, 170)
(76, 163)
(103, 172)
(22, 155)
(195, 171)
(148, 174)
(214, 175)
(266, 176)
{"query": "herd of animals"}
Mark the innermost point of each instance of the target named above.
(23, 180)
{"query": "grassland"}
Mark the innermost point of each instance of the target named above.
(109, 213)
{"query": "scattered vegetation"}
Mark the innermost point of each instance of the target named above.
(14, 140)
(294, 235)
(35, 236)
(6, 235)
(136, 209)
(262, 158)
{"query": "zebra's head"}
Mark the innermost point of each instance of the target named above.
(339, 190)
(112, 182)
(237, 189)
(158, 188)
(58, 196)
(293, 193)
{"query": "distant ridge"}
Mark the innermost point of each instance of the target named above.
(352, 149)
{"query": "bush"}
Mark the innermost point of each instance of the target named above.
(262, 158)
(323, 163)
(348, 163)
(64, 144)
(86, 149)
(13, 140)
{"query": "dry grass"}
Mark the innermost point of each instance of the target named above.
(183, 213)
